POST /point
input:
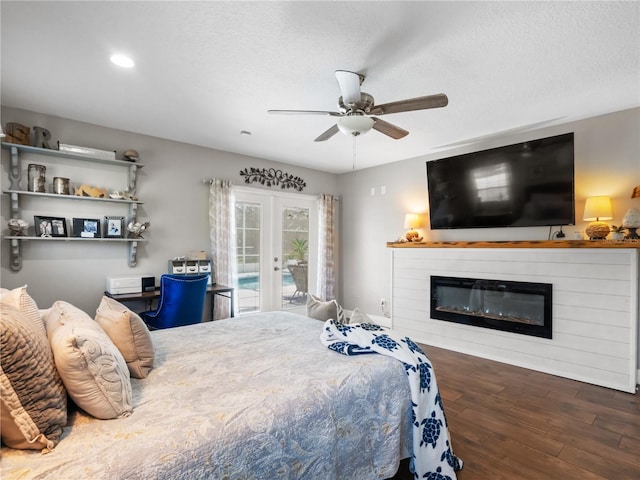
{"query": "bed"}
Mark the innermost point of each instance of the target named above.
(256, 397)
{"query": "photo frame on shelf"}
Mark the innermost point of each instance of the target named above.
(50, 226)
(114, 227)
(86, 228)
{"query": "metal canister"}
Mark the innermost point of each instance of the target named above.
(36, 176)
(61, 185)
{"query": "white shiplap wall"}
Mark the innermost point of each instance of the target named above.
(595, 308)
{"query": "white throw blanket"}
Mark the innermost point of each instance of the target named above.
(432, 457)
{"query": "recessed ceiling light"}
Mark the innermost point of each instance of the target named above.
(122, 61)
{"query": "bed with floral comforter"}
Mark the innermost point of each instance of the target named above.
(255, 397)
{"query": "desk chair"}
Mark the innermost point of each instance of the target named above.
(181, 302)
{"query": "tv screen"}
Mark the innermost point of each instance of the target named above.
(521, 185)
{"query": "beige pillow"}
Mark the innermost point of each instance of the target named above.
(90, 365)
(324, 311)
(20, 299)
(33, 399)
(129, 333)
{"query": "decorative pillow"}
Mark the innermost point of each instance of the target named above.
(129, 333)
(90, 365)
(324, 311)
(33, 399)
(20, 299)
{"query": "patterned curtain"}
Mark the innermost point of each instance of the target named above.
(223, 243)
(327, 247)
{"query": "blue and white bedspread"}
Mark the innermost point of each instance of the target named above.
(431, 457)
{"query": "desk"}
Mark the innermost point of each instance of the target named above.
(149, 297)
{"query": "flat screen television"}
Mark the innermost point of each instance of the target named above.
(522, 185)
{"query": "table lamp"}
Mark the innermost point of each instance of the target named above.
(597, 209)
(412, 221)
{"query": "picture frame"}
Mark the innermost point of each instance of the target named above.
(114, 227)
(86, 228)
(49, 226)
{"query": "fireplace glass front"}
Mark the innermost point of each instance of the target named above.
(518, 307)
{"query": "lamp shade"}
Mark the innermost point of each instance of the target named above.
(597, 208)
(412, 220)
(355, 124)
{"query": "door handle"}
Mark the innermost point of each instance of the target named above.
(276, 268)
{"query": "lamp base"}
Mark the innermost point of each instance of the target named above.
(412, 234)
(597, 230)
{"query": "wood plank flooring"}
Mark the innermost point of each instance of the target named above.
(512, 423)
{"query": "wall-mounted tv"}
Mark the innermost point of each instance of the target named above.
(522, 185)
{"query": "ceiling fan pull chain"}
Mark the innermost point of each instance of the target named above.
(353, 168)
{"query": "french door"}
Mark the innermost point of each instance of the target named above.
(276, 250)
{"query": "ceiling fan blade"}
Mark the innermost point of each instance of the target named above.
(419, 103)
(327, 134)
(305, 112)
(349, 86)
(389, 129)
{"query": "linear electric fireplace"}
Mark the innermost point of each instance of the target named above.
(518, 307)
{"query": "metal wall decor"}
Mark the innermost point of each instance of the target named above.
(272, 178)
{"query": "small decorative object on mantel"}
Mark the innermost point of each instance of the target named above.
(41, 137)
(137, 228)
(617, 232)
(17, 133)
(272, 177)
(631, 222)
(18, 227)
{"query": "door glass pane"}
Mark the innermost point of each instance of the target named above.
(248, 256)
(295, 256)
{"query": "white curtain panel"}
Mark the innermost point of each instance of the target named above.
(223, 243)
(327, 205)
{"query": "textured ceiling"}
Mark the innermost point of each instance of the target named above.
(207, 70)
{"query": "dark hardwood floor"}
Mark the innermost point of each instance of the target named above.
(512, 423)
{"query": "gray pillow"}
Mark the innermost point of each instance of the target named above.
(320, 310)
(360, 317)
(33, 398)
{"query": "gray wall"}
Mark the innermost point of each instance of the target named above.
(175, 202)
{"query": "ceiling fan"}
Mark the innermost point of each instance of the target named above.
(358, 113)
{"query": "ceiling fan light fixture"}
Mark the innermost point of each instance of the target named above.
(355, 124)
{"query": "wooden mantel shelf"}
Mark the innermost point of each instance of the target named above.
(522, 244)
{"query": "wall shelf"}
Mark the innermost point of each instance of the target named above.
(15, 192)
